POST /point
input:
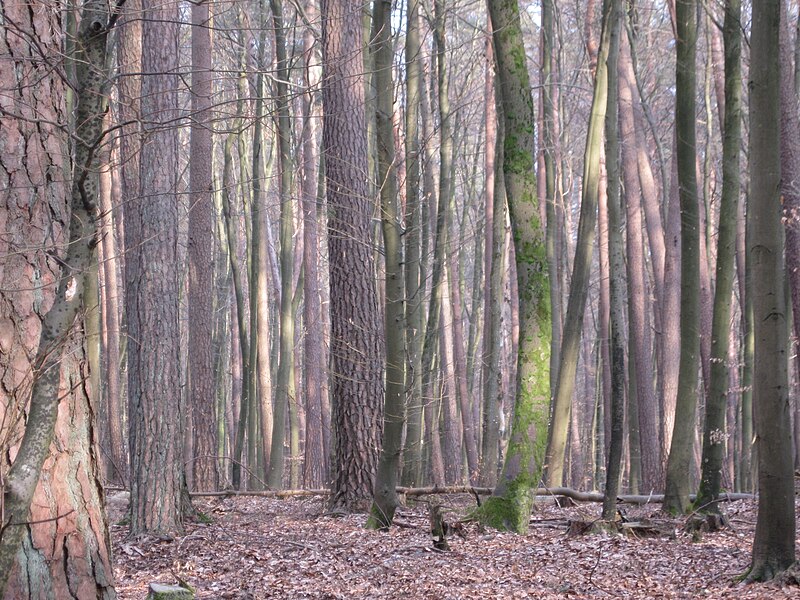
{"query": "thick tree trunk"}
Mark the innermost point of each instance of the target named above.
(774, 543)
(356, 346)
(38, 560)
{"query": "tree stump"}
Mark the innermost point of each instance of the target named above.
(439, 529)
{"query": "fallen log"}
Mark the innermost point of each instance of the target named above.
(541, 494)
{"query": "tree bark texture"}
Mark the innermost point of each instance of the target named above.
(152, 289)
(511, 503)
(681, 450)
(356, 344)
(53, 536)
(774, 543)
(201, 246)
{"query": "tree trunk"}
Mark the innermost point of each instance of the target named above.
(510, 505)
(680, 455)
(356, 348)
(616, 257)
(415, 322)
(201, 238)
(774, 543)
(652, 473)
(284, 387)
(73, 558)
(714, 432)
(579, 286)
(394, 414)
(315, 473)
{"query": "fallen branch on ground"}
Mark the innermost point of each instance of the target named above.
(541, 494)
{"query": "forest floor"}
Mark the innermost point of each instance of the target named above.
(289, 548)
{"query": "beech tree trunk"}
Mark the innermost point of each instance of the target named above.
(774, 543)
(681, 450)
(510, 505)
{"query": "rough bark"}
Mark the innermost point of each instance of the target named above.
(43, 373)
(152, 289)
(201, 239)
(356, 345)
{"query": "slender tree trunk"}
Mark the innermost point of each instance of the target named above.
(714, 433)
(284, 387)
(495, 267)
(510, 505)
(394, 414)
(415, 323)
(315, 472)
(680, 455)
(617, 259)
(576, 304)
(639, 340)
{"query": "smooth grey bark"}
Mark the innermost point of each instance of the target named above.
(681, 451)
(579, 285)
(714, 431)
(415, 322)
(284, 385)
(612, 15)
(774, 542)
(385, 500)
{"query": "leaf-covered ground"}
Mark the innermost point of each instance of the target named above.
(273, 548)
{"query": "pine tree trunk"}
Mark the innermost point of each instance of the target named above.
(43, 358)
(201, 231)
(356, 345)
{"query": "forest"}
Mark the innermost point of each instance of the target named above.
(400, 298)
